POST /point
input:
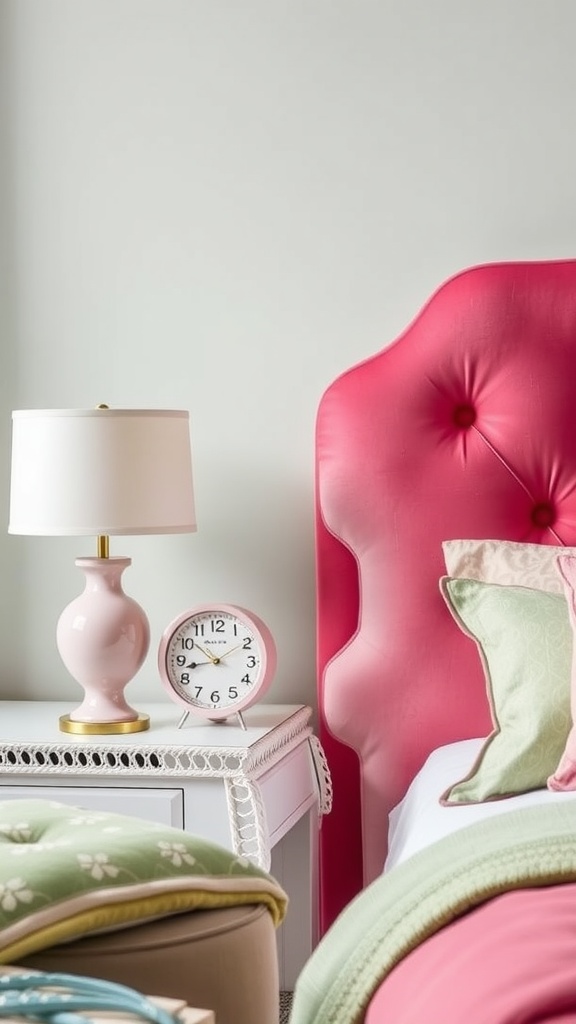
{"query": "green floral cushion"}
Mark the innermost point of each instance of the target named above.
(524, 639)
(67, 872)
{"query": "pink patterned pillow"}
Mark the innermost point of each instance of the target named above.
(564, 778)
(510, 563)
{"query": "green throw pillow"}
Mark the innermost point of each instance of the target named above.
(524, 639)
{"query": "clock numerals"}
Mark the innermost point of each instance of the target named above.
(208, 645)
(204, 695)
(217, 661)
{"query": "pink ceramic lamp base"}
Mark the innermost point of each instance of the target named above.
(103, 637)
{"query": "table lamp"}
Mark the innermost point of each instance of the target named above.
(101, 472)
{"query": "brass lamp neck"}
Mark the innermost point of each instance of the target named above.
(103, 547)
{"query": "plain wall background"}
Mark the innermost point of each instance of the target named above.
(219, 205)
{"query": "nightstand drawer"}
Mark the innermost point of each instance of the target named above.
(165, 806)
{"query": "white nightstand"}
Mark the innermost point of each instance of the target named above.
(259, 791)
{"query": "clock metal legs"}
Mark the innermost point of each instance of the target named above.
(217, 721)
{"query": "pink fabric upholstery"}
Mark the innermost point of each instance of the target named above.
(465, 973)
(464, 427)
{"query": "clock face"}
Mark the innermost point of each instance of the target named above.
(217, 660)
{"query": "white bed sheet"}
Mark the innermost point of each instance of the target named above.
(419, 819)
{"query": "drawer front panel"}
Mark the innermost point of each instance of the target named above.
(165, 806)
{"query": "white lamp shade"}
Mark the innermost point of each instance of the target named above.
(101, 471)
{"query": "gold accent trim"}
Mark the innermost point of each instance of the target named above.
(68, 724)
(103, 546)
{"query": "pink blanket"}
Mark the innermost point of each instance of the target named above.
(510, 961)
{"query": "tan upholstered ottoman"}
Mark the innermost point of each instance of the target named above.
(155, 908)
(222, 959)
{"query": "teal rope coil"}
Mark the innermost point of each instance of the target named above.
(56, 998)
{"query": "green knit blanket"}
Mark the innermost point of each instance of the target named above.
(519, 849)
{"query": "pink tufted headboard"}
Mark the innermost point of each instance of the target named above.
(464, 427)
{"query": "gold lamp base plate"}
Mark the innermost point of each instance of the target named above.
(139, 724)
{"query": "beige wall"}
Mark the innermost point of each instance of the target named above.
(221, 204)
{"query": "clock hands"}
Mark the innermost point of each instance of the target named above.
(226, 653)
(207, 654)
(215, 658)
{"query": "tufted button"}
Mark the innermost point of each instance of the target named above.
(464, 415)
(543, 515)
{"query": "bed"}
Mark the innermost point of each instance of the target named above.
(446, 571)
